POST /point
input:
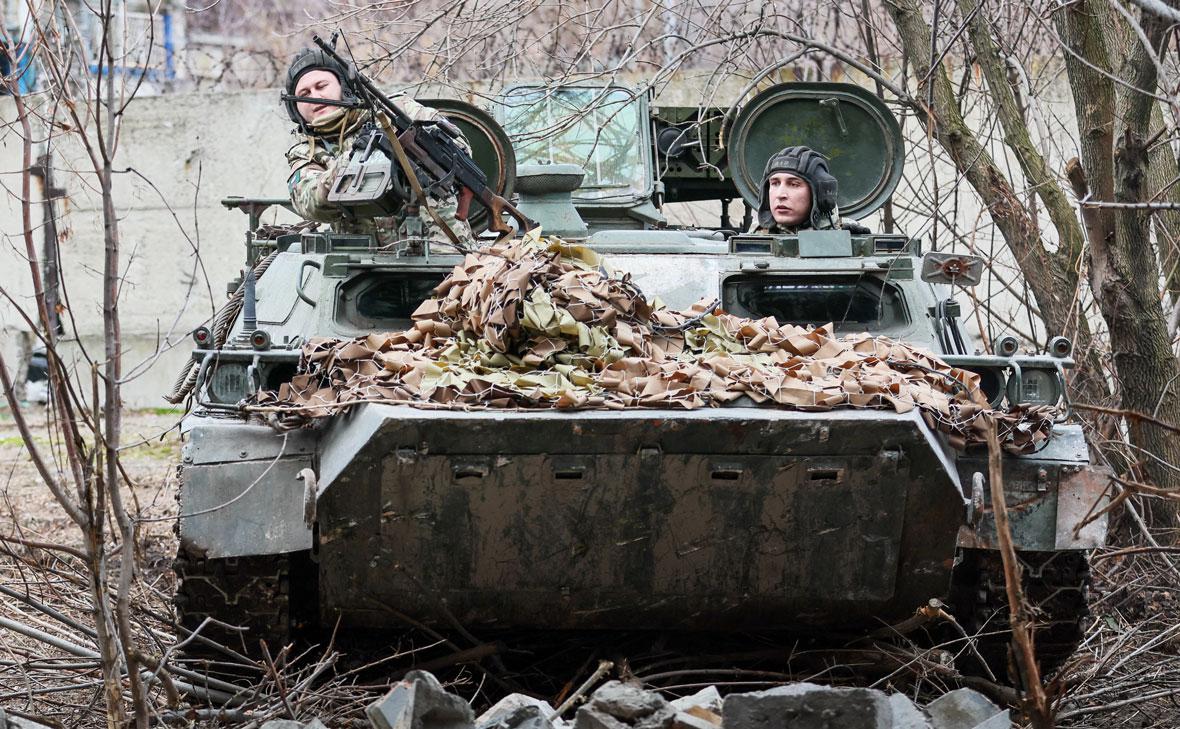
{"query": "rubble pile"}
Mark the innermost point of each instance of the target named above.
(420, 702)
(540, 323)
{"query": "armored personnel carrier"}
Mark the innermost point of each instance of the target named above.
(726, 518)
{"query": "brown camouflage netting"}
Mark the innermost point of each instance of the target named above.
(539, 323)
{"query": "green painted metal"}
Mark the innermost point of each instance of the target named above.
(847, 123)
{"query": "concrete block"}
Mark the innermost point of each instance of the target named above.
(284, 724)
(966, 709)
(808, 706)
(707, 698)
(419, 702)
(906, 714)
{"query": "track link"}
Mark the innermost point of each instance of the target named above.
(251, 592)
(1057, 586)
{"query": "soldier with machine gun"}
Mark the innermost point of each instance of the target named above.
(395, 170)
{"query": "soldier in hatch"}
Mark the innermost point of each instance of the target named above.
(328, 132)
(798, 192)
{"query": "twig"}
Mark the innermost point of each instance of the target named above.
(604, 667)
(1039, 710)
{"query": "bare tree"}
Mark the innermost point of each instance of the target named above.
(84, 102)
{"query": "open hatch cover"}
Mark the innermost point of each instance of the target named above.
(848, 124)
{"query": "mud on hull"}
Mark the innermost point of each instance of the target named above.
(735, 518)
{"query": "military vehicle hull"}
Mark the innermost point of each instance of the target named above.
(728, 518)
(724, 519)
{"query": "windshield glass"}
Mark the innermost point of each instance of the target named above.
(850, 302)
(597, 129)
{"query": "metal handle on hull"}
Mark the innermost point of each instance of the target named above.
(307, 263)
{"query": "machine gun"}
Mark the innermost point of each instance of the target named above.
(429, 156)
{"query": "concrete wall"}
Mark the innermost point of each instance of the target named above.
(178, 157)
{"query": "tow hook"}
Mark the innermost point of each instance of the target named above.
(310, 491)
(975, 508)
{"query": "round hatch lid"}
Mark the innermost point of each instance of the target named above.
(847, 124)
(490, 148)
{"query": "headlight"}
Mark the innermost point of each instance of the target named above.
(229, 382)
(1035, 387)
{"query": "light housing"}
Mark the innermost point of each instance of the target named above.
(1007, 345)
(229, 382)
(1035, 386)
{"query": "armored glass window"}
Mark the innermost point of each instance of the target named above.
(385, 299)
(596, 128)
(850, 302)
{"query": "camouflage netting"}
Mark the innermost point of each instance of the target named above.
(540, 323)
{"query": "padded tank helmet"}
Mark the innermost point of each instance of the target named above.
(813, 168)
(310, 59)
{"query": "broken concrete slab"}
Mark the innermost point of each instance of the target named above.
(420, 702)
(292, 724)
(808, 706)
(966, 709)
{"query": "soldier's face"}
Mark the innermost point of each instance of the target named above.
(320, 84)
(790, 198)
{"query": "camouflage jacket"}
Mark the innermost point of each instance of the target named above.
(313, 163)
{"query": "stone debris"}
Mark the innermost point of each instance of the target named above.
(968, 709)
(420, 702)
(8, 721)
(808, 706)
(618, 705)
(509, 705)
(708, 698)
(906, 714)
(540, 323)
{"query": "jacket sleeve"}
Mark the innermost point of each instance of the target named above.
(309, 181)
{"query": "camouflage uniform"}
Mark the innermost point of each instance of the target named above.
(313, 162)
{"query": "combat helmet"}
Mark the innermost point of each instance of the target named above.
(310, 59)
(813, 168)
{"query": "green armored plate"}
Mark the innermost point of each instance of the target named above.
(490, 148)
(849, 125)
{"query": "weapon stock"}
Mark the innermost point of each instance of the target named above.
(435, 153)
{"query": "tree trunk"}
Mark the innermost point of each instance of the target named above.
(1052, 277)
(1114, 122)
